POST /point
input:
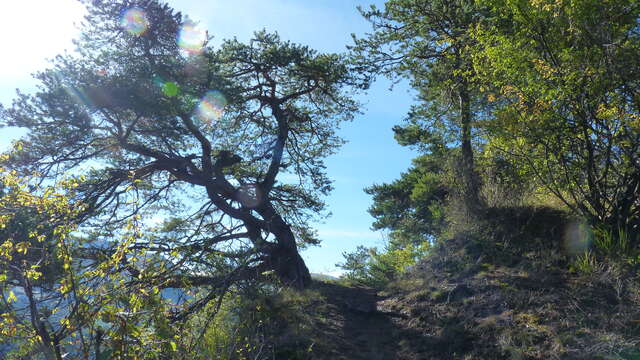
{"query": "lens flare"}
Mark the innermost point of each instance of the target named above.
(577, 238)
(250, 196)
(211, 107)
(170, 89)
(157, 81)
(191, 37)
(79, 96)
(134, 20)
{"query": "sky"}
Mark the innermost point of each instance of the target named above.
(33, 31)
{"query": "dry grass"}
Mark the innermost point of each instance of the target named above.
(519, 299)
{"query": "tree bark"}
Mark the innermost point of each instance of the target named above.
(289, 266)
(471, 183)
(284, 258)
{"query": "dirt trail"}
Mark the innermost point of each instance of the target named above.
(357, 328)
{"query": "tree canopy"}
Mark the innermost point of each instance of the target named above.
(194, 166)
(564, 77)
(184, 131)
(429, 43)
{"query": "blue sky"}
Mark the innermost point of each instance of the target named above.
(38, 29)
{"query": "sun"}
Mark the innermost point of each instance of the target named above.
(33, 30)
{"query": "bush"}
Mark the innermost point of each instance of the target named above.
(374, 268)
(255, 321)
(503, 184)
(585, 263)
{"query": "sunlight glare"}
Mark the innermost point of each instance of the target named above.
(34, 31)
(211, 107)
(577, 238)
(191, 37)
(78, 96)
(134, 20)
(168, 88)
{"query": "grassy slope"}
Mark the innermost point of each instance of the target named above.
(500, 291)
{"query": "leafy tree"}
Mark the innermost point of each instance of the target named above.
(34, 263)
(356, 264)
(412, 210)
(195, 136)
(58, 301)
(428, 41)
(412, 207)
(564, 77)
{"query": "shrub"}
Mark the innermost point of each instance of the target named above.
(371, 267)
(257, 322)
(585, 263)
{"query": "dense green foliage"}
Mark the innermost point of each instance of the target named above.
(552, 89)
(412, 207)
(565, 79)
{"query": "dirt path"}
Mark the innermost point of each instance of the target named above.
(357, 328)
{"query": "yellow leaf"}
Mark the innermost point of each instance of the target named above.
(33, 274)
(12, 297)
(22, 247)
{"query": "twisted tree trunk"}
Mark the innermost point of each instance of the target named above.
(283, 258)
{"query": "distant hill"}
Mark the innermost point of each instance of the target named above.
(324, 277)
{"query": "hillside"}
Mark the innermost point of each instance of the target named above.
(517, 298)
(527, 310)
